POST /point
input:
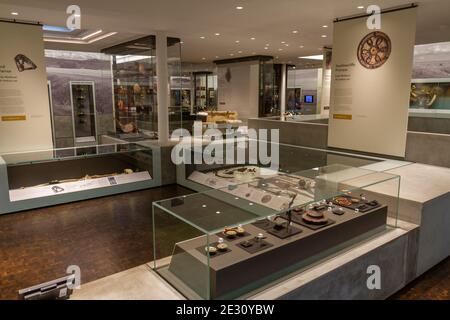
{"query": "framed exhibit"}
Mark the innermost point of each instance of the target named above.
(430, 94)
(233, 240)
(84, 112)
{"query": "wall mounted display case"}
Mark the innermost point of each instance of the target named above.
(82, 94)
(42, 178)
(231, 241)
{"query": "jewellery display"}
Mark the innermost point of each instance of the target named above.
(234, 233)
(255, 245)
(241, 173)
(215, 249)
(360, 203)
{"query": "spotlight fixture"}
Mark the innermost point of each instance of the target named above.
(239, 51)
(202, 37)
(252, 38)
(324, 36)
(286, 44)
(265, 48)
(295, 31)
(280, 49)
(237, 41)
(181, 42)
(283, 42)
(15, 13)
(324, 26)
(360, 7)
(217, 57)
(302, 46)
(231, 54)
(203, 58)
(217, 34)
(239, 8)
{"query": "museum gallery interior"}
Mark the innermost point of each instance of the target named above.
(244, 149)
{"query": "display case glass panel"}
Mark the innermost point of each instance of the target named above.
(231, 241)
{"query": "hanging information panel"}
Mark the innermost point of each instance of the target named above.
(24, 105)
(371, 83)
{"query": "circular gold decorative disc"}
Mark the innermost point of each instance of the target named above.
(374, 50)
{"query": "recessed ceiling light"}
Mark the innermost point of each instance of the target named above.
(239, 51)
(15, 13)
(239, 7)
(231, 54)
(265, 48)
(283, 41)
(252, 38)
(324, 26)
(287, 44)
(181, 42)
(217, 34)
(217, 57)
(301, 46)
(276, 57)
(203, 58)
(267, 44)
(237, 41)
(280, 49)
(360, 7)
(315, 57)
(295, 31)
(324, 36)
(202, 37)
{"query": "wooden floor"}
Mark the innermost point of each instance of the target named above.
(108, 235)
(102, 236)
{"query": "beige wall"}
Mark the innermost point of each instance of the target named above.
(242, 91)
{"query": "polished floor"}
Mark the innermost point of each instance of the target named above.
(102, 236)
(108, 235)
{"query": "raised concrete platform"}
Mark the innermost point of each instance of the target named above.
(343, 276)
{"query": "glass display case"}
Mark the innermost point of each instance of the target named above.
(234, 240)
(47, 177)
(205, 93)
(83, 111)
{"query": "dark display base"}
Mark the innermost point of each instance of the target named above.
(264, 224)
(254, 245)
(285, 232)
(316, 226)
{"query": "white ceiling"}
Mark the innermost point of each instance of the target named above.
(268, 21)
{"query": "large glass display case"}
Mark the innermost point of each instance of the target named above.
(41, 178)
(234, 240)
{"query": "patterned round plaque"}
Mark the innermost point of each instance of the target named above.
(374, 50)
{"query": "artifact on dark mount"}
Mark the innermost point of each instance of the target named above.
(24, 63)
(314, 217)
(374, 50)
(222, 246)
(211, 250)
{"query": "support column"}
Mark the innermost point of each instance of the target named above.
(283, 89)
(162, 84)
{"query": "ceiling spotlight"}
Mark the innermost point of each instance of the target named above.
(324, 26)
(287, 44)
(237, 41)
(295, 31)
(217, 34)
(239, 51)
(280, 49)
(283, 41)
(324, 36)
(360, 7)
(302, 46)
(239, 8)
(202, 37)
(203, 58)
(181, 42)
(265, 48)
(231, 54)
(252, 38)
(217, 57)
(15, 13)
(267, 44)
